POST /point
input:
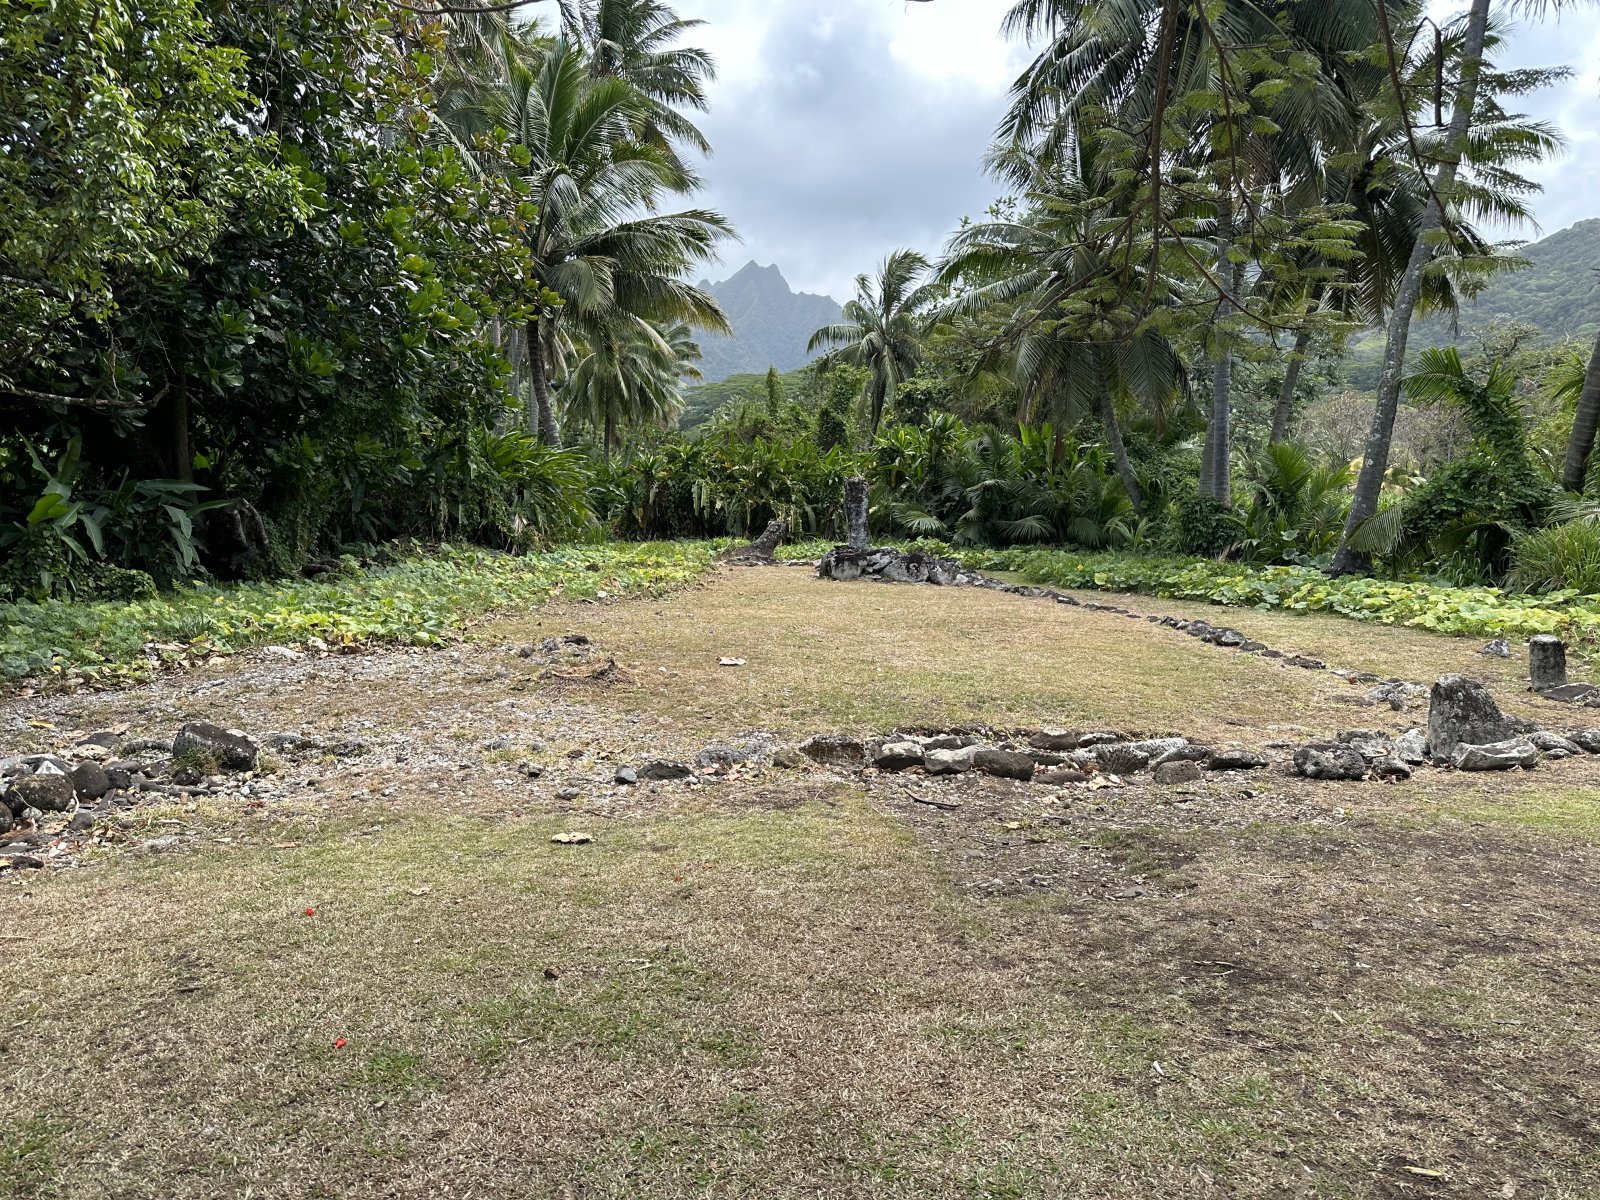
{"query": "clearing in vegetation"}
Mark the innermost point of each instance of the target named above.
(377, 976)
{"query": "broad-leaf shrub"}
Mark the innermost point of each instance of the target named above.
(421, 601)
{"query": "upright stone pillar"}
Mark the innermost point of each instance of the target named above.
(1547, 662)
(855, 513)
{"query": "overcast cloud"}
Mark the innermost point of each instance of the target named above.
(843, 135)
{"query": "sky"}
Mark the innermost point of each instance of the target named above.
(840, 137)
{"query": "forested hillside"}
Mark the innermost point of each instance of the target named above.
(771, 323)
(1559, 293)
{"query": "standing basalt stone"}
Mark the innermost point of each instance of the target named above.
(855, 513)
(1547, 662)
(1461, 712)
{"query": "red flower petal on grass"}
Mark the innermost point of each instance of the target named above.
(311, 912)
(339, 1043)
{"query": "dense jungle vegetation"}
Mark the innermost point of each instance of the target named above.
(281, 284)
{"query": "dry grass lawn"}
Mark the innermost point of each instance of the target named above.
(790, 985)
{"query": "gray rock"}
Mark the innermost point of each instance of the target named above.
(898, 755)
(753, 750)
(626, 776)
(1553, 745)
(1587, 740)
(1330, 761)
(1182, 771)
(1236, 760)
(1397, 696)
(949, 741)
(1495, 756)
(662, 771)
(230, 748)
(1460, 711)
(1547, 662)
(1371, 744)
(836, 750)
(1007, 764)
(90, 781)
(949, 762)
(1391, 768)
(6, 819)
(47, 793)
(1188, 752)
(290, 743)
(1121, 759)
(1156, 747)
(1100, 738)
(1499, 648)
(1053, 739)
(1229, 637)
(1411, 747)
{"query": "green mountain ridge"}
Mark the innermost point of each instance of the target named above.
(1558, 293)
(771, 324)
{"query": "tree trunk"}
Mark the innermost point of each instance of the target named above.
(611, 430)
(1221, 440)
(1284, 411)
(539, 382)
(1584, 424)
(1375, 462)
(1119, 451)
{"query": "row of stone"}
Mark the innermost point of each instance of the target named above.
(1043, 756)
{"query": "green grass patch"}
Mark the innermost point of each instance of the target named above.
(28, 1162)
(422, 601)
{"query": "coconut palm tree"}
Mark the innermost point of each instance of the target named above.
(596, 237)
(636, 40)
(1072, 343)
(632, 374)
(1459, 144)
(882, 328)
(1585, 421)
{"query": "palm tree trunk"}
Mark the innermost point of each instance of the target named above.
(1284, 410)
(1119, 451)
(1222, 363)
(611, 430)
(539, 382)
(1584, 424)
(1375, 463)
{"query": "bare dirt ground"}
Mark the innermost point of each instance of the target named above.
(786, 983)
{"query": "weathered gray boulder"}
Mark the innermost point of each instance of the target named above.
(1461, 711)
(1188, 752)
(230, 748)
(1553, 745)
(1236, 760)
(1371, 744)
(1179, 771)
(1053, 739)
(836, 750)
(1121, 759)
(664, 771)
(1098, 738)
(47, 793)
(90, 781)
(1547, 662)
(1499, 648)
(855, 513)
(949, 762)
(1391, 768)
(1330, 761)
(1495, 756)
(1411, 747)
(626, 776)
(898, 755)
(1587, 740)
(1157, 747)
(1006, 764)
(1397, 696)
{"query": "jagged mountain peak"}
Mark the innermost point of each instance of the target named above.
(771, 322)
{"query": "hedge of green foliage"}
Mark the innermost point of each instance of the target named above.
(420, 601)
(1469, 611)
(1465, 611)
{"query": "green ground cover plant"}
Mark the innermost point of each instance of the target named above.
(422, 600)
(1464, 611)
